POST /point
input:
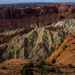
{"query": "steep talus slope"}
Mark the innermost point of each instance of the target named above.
(68, 55)
(65, 54)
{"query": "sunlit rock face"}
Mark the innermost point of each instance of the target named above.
(67, 56)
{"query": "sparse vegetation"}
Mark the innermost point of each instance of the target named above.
(48, 41)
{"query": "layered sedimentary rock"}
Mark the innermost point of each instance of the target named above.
(39, 42)
(18, 25)
(26, 16)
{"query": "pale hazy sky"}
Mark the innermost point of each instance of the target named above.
(24, 1)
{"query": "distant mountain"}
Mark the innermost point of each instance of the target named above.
(34, 4)
(24, 4)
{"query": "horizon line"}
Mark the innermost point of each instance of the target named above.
(33, 2)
